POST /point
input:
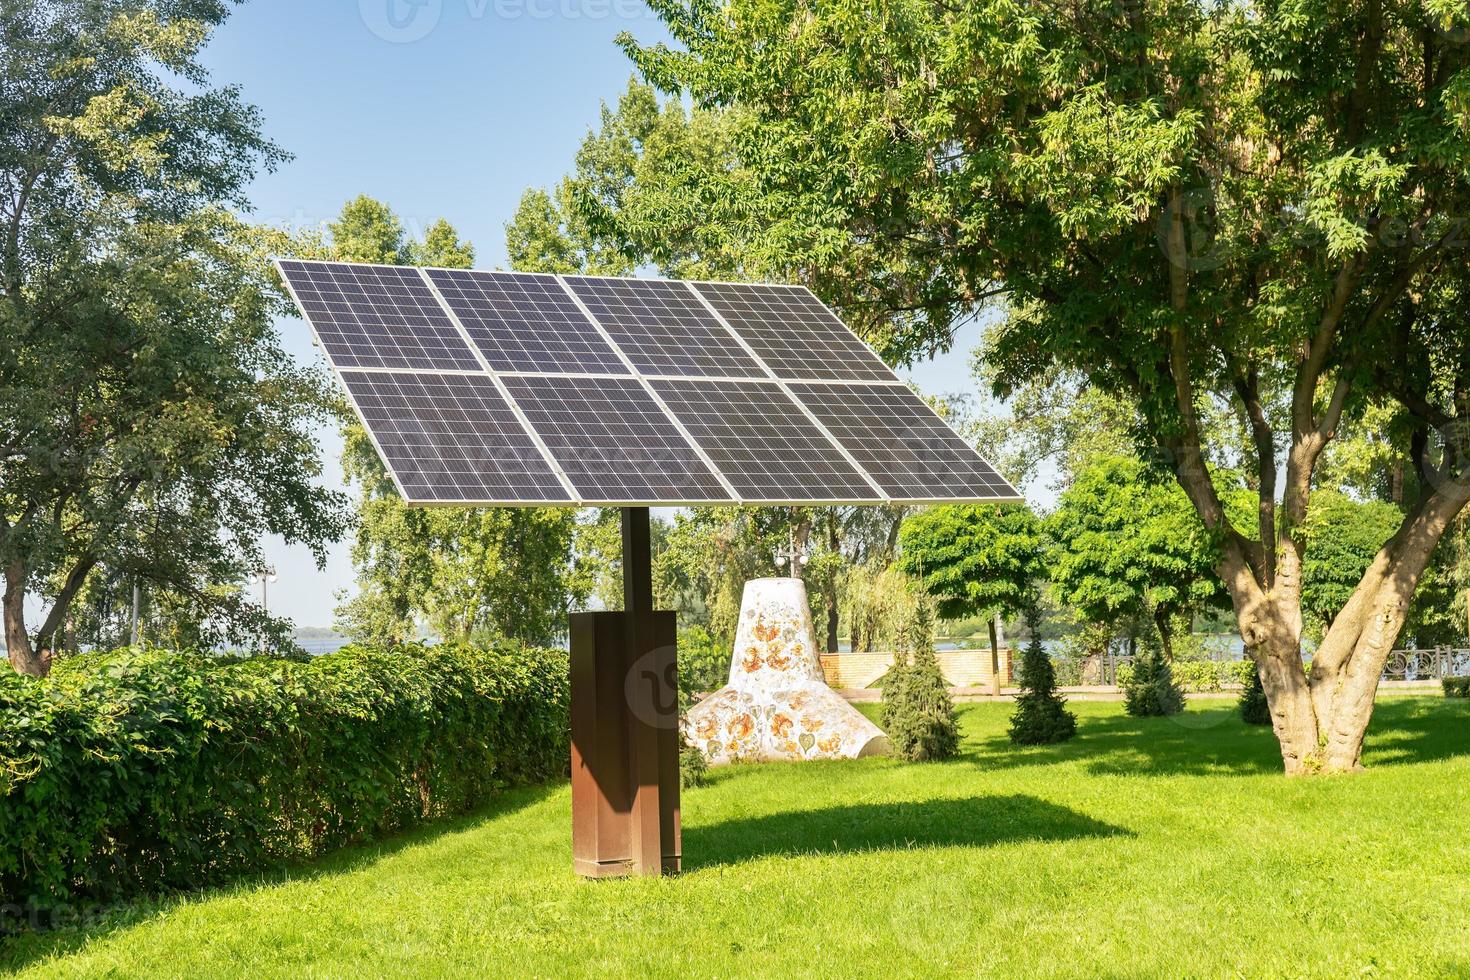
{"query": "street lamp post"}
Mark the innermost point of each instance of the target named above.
(797, 557)
(264, 576)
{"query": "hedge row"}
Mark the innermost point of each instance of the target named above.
(1200, 675)
(1456, 687)
(137, 771)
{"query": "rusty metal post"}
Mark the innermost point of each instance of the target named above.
(625, 740)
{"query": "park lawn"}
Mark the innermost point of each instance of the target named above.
(1143, 848)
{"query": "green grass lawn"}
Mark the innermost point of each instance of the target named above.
(1143, 848)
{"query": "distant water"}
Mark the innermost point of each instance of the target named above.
(317, 643)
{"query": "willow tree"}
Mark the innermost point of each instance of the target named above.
(1258, 205)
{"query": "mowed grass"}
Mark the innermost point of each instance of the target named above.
(1157, 847)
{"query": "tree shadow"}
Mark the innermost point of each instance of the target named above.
(977, 821)
(67, 927)
(1408, 730)
(1213, 741)
(1199, 742)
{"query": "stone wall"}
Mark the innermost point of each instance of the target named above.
(962, 668)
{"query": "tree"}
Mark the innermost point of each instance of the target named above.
(1255, 205)
(1128, 544)
(1252, 704)
(1150, 689)
(152, 428)
(918, 714)
(1041, 716)
(463, 572)
(975, 559)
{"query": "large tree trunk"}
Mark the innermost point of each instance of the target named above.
(24, 658)
(1321, 717)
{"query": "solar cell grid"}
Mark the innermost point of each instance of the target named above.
(452, 438)
(904, 446)
(377, 316)
(663, 328)
(613, 440)
(762, 441)
(525, 322)
(794, 333)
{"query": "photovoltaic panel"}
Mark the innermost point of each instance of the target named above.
(452, 438)
(613, 441)
(794, 333)
(762, 442)
(902, 443)
(624, 392)
(663, 328)
(525, 322)
(377, 316)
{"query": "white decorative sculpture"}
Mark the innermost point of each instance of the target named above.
(777, 706)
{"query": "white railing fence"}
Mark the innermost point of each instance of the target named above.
(1427, 665)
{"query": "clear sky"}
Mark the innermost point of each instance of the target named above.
(441, 108)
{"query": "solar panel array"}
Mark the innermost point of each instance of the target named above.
(525, 389)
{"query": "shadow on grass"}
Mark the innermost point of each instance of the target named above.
(1213, 741)
(67, 928)
(979, 821)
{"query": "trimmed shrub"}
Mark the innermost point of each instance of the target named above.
(151, 770)
(1456, 687)
(1041, 716)
(1254, 709)
(1151, 689)
(918, 713)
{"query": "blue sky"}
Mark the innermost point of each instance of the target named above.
(441, 108)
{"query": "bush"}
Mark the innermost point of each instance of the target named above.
(1041, 716)
(1151, 689)
(146, 770)
(693, 766)
(1254, 709)
(918, 713)
(704, 663)
(1456, 687)
(1200, 675)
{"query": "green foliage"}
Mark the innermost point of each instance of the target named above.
(1041, 716)
(1254, 708)
(704, 663)
(1151, 689)
(1456, 687)
(693, 766)
(141, 770)
(154, 429)
(881, 605)
(974, 558)
(1129, 544)
(1253, 211)
(918, 714)
(1199, 675)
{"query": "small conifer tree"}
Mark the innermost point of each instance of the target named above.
(918, 713)
(1254, 709)
(1041, 716)
(1151, 690)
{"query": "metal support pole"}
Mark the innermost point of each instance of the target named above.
(625, 739)
(643, 709)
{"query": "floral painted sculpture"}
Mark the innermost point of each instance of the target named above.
(777, 706)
